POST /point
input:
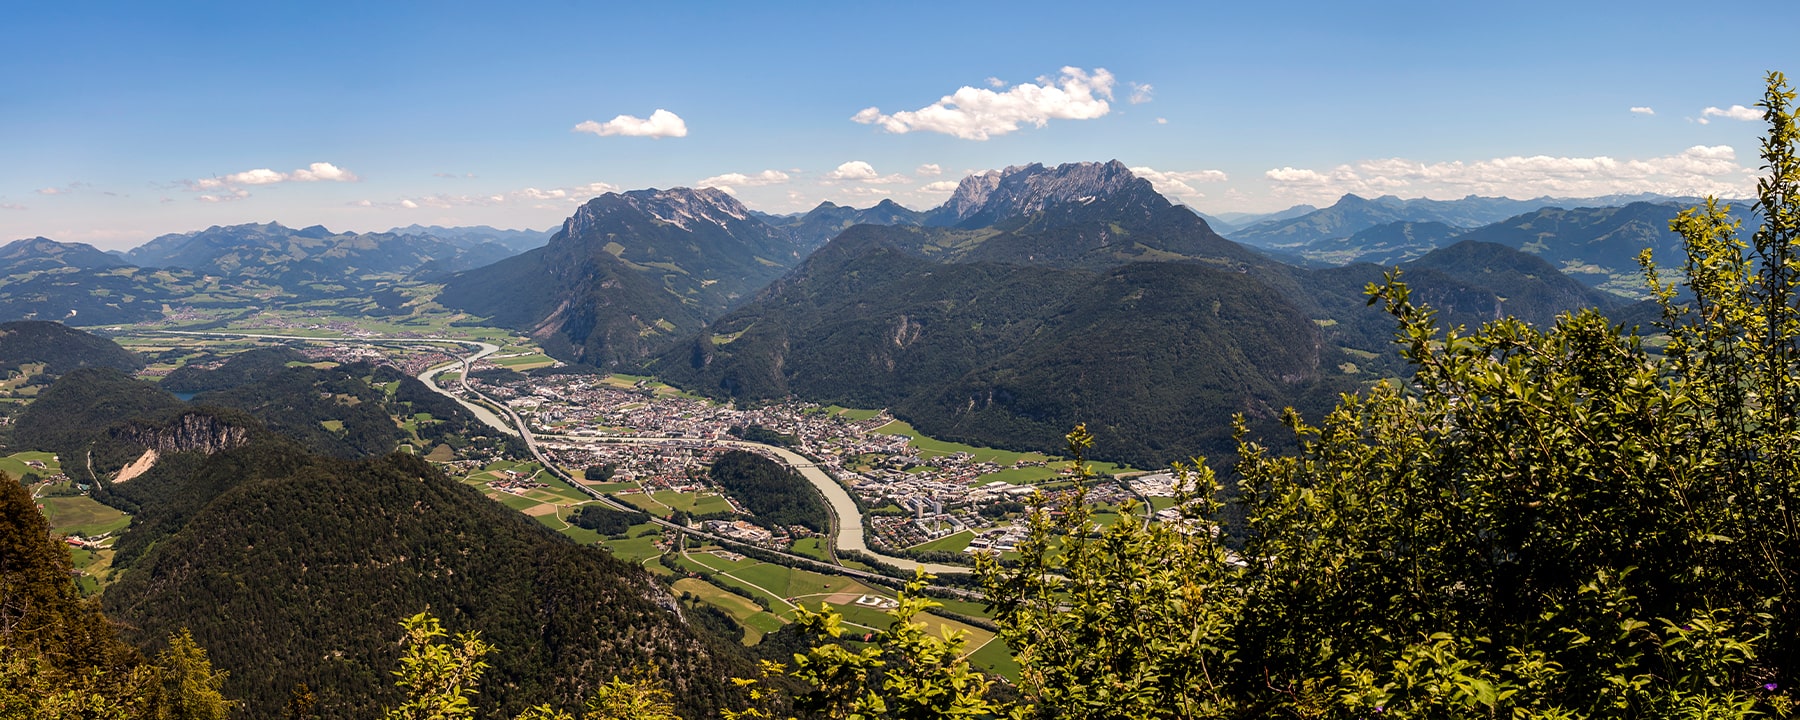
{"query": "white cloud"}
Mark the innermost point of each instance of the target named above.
(729, 182)
(224, 188)
(1140, 94)
(995, 82)
(322, 172)
(1735, 112)
(1162, 121)
(941, 186)
(660, 124)
(11, 206)
(1643, 110)
(978, 114)
(1698, 170)
(862, 172)
(1175, 182)
(929, 169)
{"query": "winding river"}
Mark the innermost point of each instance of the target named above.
(847, 519)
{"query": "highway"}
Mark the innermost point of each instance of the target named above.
(483, 349)
(846, 518)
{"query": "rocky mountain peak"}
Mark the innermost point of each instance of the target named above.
(1028, 189)
(683, 207)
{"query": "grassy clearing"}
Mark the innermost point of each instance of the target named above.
(645, 503)
(14, 465)
(578, 534)
(713, 562)
(997, 658)
(755, 621)
(525, 362)
(970, 608)
(852, 414)
(636, 549)
(954, 542)
(82, 515)
(516, 502)
(811, 547)
(931, 447)
(693, 503)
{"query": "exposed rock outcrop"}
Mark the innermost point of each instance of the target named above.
(190, 432)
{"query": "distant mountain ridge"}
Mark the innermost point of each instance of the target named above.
(41, 253)
(1353, 213)
(276, 254)
(1596, 242)
(517, 241)
(814, 227)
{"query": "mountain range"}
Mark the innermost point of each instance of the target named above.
(311, 259)
(958, 317)
(1595, 239)
(516, 241)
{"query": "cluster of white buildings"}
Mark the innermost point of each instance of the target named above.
(940, 495)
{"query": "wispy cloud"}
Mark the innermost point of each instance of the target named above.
(533, 197)
(730, 182)
(973, 113)
(1698, 170)
(1643, 110)
(1176, 182)
(64, 190)
(929, 169)
(660, 124)
(228, 195)
(1140, 94)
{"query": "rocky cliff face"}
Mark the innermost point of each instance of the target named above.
(686, 208)
(191, 432)
(1017, 191)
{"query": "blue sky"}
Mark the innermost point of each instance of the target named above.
(122, 121)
